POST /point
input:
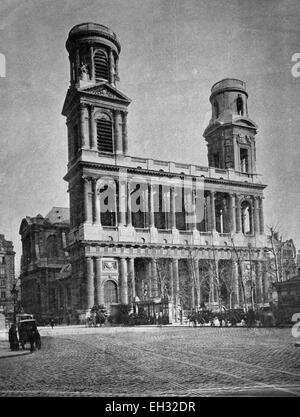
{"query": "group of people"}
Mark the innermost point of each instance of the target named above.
(227, 318)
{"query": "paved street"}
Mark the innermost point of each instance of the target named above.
(156, 362)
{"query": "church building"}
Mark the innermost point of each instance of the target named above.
(160, 235)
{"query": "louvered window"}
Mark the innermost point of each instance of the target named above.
(101, 66)
(104, 134)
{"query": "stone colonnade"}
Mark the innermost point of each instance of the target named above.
(126, 281)
(123, 211)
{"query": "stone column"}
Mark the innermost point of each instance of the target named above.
(154, 278)
(261, 216)
(149, 278)
(129, 216)
(125, 134)
(193, 295)
(122, 203)
(36, 244)
(176, 286)
(213, 210)
(171, 280)
(197, 283)
(232, 214)
(118, 132)
(96, 204)
(83, 126)
(238, 214)
(98, 286)
(111, 68)
(92, 64)
(194, 214)
(124, 283)
(87, 207)
(176, 279)
(92, 128)
(266, 283)
(151, 205)
(172, 208)
(235, 279)
(259, 283)
(132, 276)
(256, 215)
(90, 282)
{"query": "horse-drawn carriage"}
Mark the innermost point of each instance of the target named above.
(28, 333)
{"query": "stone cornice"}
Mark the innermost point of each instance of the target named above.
(138, 171)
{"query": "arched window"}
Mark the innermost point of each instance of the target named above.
(104, 133)
(101, 65)
(110, 292)
(51, 245)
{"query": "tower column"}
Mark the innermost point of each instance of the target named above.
(256, 215)
(92, 64)
(92, 128)
(87, 206)
(96, 204)
(124, 282)
(90, 282)
(122, 203)
(261, 216)
(83, 126)
(125, 134)
(111, 68)
(118, 132)
(129, 216)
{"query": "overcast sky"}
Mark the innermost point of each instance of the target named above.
(173, 51)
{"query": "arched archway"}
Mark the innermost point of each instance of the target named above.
(110, 292)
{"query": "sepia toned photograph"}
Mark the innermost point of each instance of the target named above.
(149, 213)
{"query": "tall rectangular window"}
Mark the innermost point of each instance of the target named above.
(244, 160)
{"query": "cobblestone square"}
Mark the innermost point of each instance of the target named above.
(154, 361)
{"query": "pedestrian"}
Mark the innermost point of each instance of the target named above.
(13, 338)
(52, 323)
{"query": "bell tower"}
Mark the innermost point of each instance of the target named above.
(95, 109)
(230, 135)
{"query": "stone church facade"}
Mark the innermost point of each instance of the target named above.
(144, 230)
(45, 267)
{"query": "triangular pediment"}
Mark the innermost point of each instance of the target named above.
(106, 91)
(101, 90)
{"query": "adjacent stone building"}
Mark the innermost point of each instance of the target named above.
(7, 276)
(45, 269)
(143, 231)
